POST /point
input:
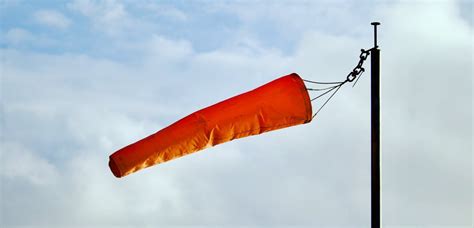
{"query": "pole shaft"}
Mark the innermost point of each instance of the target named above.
(375, 137)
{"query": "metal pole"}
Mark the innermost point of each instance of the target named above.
(375, 131)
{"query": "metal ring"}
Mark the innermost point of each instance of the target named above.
(351, 77)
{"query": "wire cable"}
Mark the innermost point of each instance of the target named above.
(322, 106)
(355, 74)
(321, 83)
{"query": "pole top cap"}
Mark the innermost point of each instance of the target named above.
(375, 23)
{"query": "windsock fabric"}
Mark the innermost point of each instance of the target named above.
(281, 103)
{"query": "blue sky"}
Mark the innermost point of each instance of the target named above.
(81, 79)
(205, 24)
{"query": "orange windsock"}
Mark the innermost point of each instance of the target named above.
(281, 103)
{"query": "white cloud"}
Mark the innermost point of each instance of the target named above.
(421, 61)
(167, 11)
(20, 163)
(169, 49)
(23, 39)
(107, 16)
(52, 18)
(75, 110)
(17, 36)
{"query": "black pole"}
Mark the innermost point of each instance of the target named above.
(375, 131)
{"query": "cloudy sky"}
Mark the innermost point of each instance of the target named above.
(81, 79)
